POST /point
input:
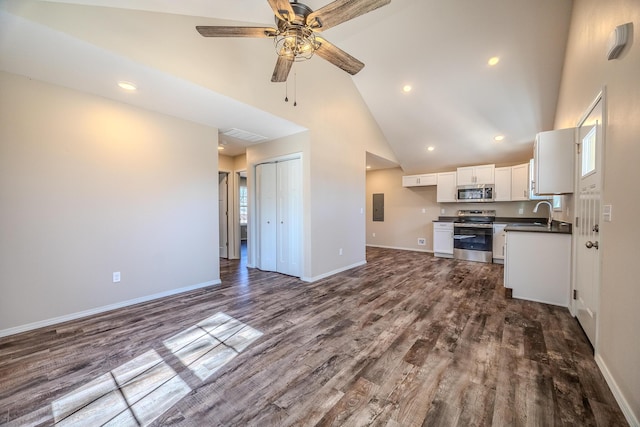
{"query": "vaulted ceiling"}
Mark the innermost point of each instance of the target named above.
(458, 103)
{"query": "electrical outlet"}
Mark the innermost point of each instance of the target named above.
(116, 276)
(422, 241)
(424, 210)
(373, 234)
(441, 211)
(520, 211)
(340, 251)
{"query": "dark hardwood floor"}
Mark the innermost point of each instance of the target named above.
(405, 340)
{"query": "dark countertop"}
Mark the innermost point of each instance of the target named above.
(557, 227)
(498, 220)
(535, 225)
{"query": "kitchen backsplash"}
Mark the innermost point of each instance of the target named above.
(503, 209)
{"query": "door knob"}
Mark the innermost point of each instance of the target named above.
(591, 244)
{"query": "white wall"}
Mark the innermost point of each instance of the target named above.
(341, 128)
(586, 71)
(90, 186)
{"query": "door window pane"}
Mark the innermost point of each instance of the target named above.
(589, 152)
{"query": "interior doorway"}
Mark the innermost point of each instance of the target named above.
(223, 213)
(243, 216)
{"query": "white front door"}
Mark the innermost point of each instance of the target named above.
(588, 206)
(223, 213)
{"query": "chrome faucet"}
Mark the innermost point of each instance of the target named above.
(550, 211)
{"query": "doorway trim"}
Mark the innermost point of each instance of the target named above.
(252, 226)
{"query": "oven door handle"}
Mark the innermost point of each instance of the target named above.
(471, 225)
(462, 236)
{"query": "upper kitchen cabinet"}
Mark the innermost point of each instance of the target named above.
(419, 180)
(502, 189)
(519, 182)
(554, 162)
(446, 190)
(470, 175)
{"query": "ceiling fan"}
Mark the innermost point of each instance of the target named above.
(296, 34)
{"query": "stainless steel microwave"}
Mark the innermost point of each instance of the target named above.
(475, 193)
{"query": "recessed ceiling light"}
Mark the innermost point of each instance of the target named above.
(220, 148)
(127, 86)
(406, 88)
(493, 60)
(431, 148)
(368, 167)
(498, 137)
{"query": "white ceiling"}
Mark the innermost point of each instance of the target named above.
(457, 105)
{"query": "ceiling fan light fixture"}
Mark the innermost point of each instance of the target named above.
(296, 42)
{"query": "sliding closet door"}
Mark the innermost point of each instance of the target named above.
(266, 210)
(289, 194)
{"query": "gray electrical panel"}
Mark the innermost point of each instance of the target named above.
(378, 207)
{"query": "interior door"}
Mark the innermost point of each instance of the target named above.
(587, 236)
(266, 210)
(289, 232)
(223, 202)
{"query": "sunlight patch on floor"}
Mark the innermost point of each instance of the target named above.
(135, 393)
(206, 347)
(139, 391)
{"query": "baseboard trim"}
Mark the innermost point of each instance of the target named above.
(331, 273)
(632, 419)
(400, 249)
(98, 310)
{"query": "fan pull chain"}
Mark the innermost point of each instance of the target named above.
(286, 91)
(295, 86)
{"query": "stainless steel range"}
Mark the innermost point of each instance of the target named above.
(473, 235)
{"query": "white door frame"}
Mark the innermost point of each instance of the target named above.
(601, 97)
(252, 235)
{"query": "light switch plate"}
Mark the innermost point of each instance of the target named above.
(607, 213)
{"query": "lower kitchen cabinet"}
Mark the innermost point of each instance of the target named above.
(499, 241)
(443, 239)
(537, 266)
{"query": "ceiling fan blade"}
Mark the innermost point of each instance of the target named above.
(281, 72)
(282, 9)
(215, 31)
(340, 11)
(338, 57)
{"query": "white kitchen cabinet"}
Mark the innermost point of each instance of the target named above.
(520, 182)
(419, 180)
(499, 239)
(443, 239)
(554, 154)
(469, 175)
(537, 266)
(502, 189)
(446, 190)
(532, 183)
